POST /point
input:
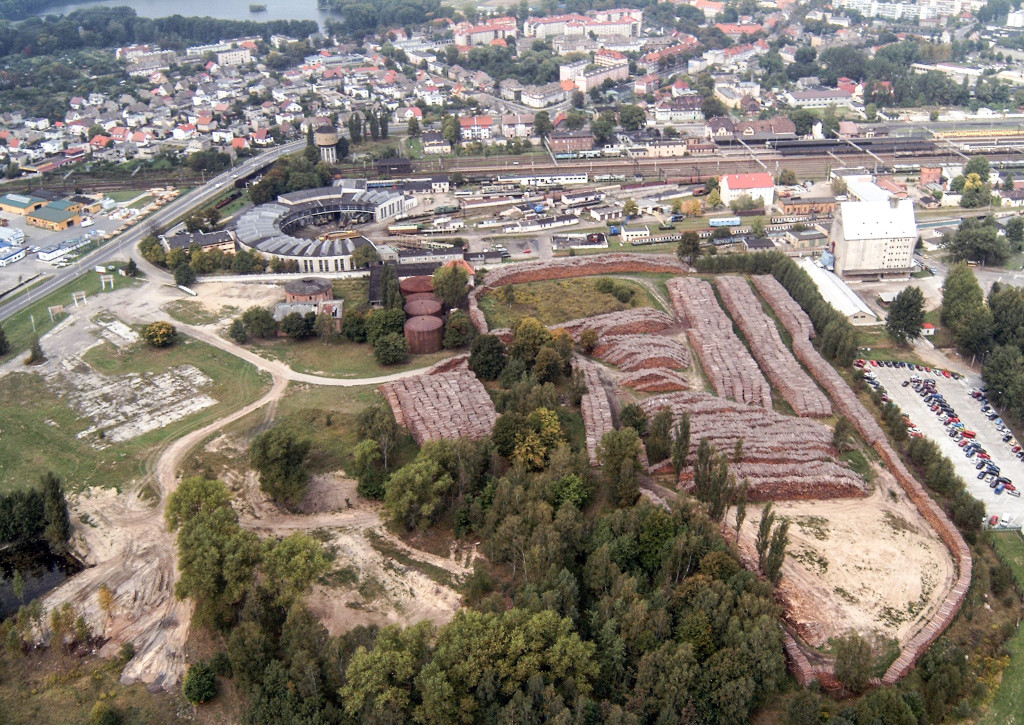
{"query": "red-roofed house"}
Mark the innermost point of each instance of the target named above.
(735, 30)
(759, 186)
(260, 137)
(239, 144)
(476, 128)
(97, 142)
(646, 84)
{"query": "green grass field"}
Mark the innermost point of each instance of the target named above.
(18, 327)
(556, 301)
(1007, 706)
(323, 415)
(343, 359)
(39, 429)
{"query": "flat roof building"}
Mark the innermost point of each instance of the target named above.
(838, 294)
(874, 238)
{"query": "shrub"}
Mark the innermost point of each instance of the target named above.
(605, 285)
(160, 334)
(184, 275)
(588, 341)
(259, 322)
(622, 293)
(487, 357)
(237, 331)
(353, 327)
(458, 330)
(200, 684)
(390, 349)
(103, 713)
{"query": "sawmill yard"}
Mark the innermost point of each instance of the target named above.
(862, 557)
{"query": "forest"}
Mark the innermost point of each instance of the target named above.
(112, 27)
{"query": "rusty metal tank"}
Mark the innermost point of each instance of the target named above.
(423, 334)
(421, 296)
(415, 285)
(417, 308)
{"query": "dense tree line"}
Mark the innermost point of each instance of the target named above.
(289, 173)
(36, 513)
(362, 18)
(112, 27)
(992, 327)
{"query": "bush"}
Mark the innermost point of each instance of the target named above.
(184, 275)
(390, 349)
(200, 684)
(622, 293)
(458, 330)
(353, 327)
(588, 340)
(220, 663)
(103, 713)
(487, 357)
(160, 334)
(280, 458)
(237, 331)
(605, 285)
(384, 322)
(259, 322)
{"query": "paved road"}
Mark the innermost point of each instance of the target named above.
(162, 217)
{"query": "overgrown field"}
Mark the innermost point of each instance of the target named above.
(324, 415)
(39, 428)
(1006, 707)
(18, 327)
(561, 300)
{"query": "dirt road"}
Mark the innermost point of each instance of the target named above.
(131, 552)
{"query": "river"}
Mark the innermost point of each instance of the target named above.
(225, 9)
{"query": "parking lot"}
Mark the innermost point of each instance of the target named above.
(968, 410)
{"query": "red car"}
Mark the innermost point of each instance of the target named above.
(946, 373)
(993, 521)
(874, 363)
(984, 456)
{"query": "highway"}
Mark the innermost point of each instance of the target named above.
(160, 218)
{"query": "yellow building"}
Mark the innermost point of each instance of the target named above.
(20, 204)
(53, 219)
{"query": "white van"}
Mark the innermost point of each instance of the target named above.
(1005, 520)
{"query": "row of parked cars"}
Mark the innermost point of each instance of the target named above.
(864, 364)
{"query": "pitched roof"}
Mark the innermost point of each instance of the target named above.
(760, 180)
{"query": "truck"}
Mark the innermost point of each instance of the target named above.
(613, 231)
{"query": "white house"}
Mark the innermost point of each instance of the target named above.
(759, 187)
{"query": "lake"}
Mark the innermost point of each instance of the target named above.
(40, 567)
(225, 9)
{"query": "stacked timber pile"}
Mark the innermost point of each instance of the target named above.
(623, 322)
(782, 457)
(595, 407)
(451, 404)
(654, 380)
(639, 352)
(727, 364)
(775, 359)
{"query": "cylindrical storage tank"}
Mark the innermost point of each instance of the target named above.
(415, 285)
(423, 334)
(417, 308)
(325, 136)
(421, 296)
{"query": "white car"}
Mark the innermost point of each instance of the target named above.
(88, 221)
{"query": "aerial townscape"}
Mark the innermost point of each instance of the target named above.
(581, 362)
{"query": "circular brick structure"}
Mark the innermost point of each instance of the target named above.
(423, 334)
(417, 308)
(416, 285)
(308, 289)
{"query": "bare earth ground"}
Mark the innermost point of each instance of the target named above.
(871, 565)
(131, 552)
(214, 297)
